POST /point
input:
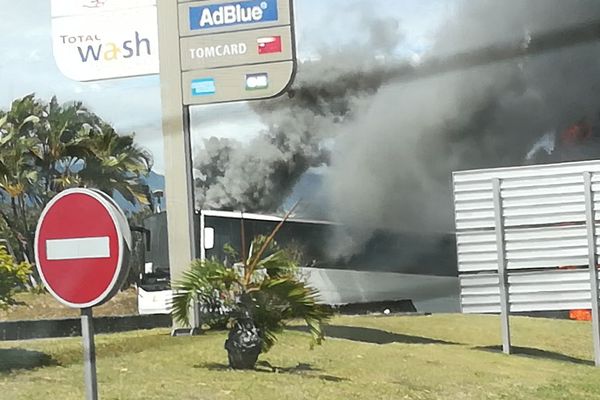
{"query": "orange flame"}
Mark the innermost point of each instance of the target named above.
(576, 133)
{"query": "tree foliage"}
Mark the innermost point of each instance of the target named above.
(13, 276)
(48, 147)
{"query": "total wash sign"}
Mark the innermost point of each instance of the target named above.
(229, 14)
(112, 39)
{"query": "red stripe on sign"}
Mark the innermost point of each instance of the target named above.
(269, 45)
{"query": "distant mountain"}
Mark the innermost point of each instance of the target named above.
(154, 181)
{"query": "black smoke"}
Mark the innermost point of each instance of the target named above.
(301, 126)
(392, 167)
(391, 131)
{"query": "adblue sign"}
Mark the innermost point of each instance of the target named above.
(215, 16)
(221, 15)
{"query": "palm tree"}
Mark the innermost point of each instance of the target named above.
(259, 295)
(46, 148)
(118, 165)
(79, 149)
(18, 176)
(63, 145)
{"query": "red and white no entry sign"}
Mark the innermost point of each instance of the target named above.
(81, 247)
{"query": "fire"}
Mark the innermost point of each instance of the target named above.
(576, 133)
(580, 315)
(583, 314)
(563, 146)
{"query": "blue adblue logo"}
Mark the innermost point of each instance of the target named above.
(229, 14)
(203, 87)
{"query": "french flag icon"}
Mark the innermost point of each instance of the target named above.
(269, 45)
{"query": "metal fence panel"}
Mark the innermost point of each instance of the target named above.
(528, 291)
(550, 170)
(543, 214)
(526, 248)
(527, 240)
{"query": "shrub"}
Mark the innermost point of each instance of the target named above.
(257, 295)
(13, 277)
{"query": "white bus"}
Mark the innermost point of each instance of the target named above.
(387, 271)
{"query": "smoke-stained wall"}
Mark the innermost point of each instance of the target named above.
(391, 144)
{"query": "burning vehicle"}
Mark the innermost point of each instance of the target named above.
(394, 271)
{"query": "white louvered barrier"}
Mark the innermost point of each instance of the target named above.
(528, 291)
(528, 240)
(540, 247)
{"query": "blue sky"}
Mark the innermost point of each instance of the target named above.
(133, 104)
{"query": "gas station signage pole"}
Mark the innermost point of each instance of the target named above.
(214, 51)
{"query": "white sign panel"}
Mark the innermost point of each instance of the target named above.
(109, 42)
(231, 49)
(62, 8)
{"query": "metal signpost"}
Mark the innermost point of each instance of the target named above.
(82, 243)
(213, 51)
(590, 224)
(502, 274)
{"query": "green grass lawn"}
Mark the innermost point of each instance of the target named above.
(435, 357)
(43, 306)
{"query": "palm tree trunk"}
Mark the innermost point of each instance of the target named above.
(28, 235)
(49, 178)
(15, 230)
(21, 203)
(13, 204)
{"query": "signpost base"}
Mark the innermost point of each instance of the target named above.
(186, 332)
(89, 354)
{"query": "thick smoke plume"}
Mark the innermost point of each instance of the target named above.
(257, 176)
(392, 142)
(402, 148)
